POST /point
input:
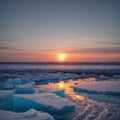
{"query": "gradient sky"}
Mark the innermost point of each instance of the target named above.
(38, 30)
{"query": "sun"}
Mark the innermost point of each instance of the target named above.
(62, 57)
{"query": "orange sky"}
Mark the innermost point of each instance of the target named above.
(53, 57)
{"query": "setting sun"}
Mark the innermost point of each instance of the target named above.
(62, 57)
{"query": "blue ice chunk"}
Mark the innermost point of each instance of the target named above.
(49, 103)
(24, 89)
(7, 85)
(59, 92)
(32, 83)
(10, 84)
(16, 81)
(24, 81)
(6, 100)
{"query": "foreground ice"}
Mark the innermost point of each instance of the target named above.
(29, 115)
(6, 100)
(105, 87)
(24, 89)
(59, 92)
(50, 103)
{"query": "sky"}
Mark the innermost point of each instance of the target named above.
(39, 30)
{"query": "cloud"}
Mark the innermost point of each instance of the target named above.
(95, 50)
(9, 48)
(108, 43)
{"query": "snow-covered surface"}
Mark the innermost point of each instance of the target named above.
(57, 91)
(24, 89)
(6, 100)
(50, 103)
(105, 87)
(29, 115)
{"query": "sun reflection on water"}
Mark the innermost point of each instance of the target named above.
(80, 97)
(67, 86)
(62, 84)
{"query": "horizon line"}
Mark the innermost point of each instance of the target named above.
(66, 63)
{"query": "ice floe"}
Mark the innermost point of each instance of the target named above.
(50, 103)
(104, 87)
(24, 89)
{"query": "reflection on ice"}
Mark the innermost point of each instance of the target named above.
(88, 106)
(80, 97)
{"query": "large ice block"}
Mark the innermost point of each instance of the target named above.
(29, 115)
(24, 89)
(6, 100)
(59, 92)
(101, 87)
(50, 103)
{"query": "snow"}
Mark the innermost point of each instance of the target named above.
(50, 103)
(105, 87)
(57, 91)
(29, 115)
(24, 89)
(6, 100)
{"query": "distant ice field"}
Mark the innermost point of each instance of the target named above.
(22, 66)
